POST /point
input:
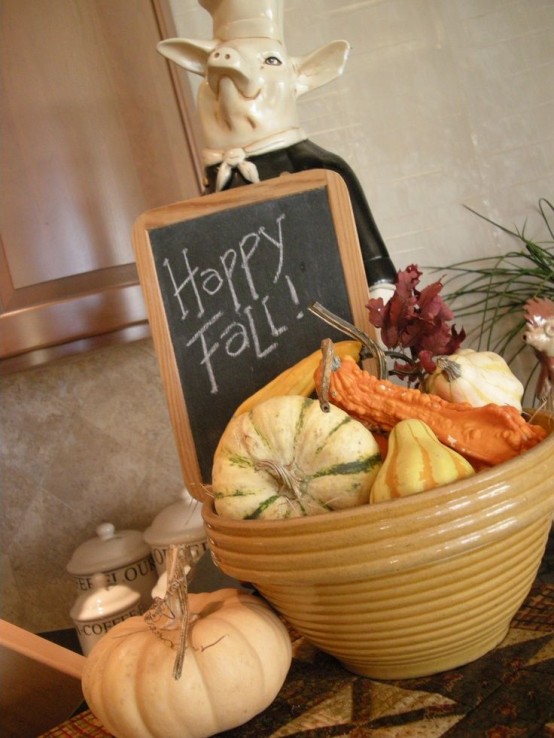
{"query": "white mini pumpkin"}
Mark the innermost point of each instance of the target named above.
(237, 657)
(287, 458)
(475, 377)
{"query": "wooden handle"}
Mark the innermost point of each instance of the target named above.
(41, 650)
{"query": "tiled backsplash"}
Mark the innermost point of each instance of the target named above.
(442, 103)
(83, 441)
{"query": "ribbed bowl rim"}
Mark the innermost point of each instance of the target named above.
(397, 534)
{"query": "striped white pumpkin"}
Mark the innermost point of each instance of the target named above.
(287, 458)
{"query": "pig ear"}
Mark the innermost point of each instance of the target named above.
(321, 66)
(191, 55)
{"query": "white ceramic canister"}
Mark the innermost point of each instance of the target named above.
(122, 555)
(100, 608)
(160, 589)
(181, 522)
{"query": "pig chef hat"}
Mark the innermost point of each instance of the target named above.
(234, 19)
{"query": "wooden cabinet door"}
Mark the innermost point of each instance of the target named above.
(94, 131)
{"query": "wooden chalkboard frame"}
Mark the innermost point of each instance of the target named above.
(288, 184)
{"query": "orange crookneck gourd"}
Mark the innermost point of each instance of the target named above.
(487, 435)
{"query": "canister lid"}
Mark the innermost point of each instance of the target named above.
(103, 601)
(111, 549)
(180, 522)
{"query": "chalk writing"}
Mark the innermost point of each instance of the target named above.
(235, 285)
(246, 279)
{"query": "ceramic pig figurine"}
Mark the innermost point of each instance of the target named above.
(539, 315)
(248, 113)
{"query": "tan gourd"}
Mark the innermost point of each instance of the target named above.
(416, 461)
(287, 458)
(299, 378)
(475, 377)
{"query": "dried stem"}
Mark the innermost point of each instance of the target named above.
(449, 368)
(372, 347)
(178, 589)
(328, 357)
(173, 611)
(283, 475)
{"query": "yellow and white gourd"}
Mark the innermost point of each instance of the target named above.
(416, 461)
(299, 378)
(475, 377)
(287, 458)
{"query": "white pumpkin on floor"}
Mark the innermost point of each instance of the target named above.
(237, 655)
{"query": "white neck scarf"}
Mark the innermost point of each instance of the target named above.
(237, 158)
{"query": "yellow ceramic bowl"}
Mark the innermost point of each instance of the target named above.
(409, 587)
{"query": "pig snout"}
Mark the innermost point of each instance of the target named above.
(227, 62)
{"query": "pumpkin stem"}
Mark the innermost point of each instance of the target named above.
(329, 363)
(178, 590)
(450, 369)
(173, 610)
(284, 476)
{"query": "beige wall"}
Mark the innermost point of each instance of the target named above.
(443, 103)
(82, 441)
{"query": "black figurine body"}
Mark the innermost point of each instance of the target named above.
(308, 155)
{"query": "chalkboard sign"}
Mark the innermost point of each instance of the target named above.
(227, 280)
